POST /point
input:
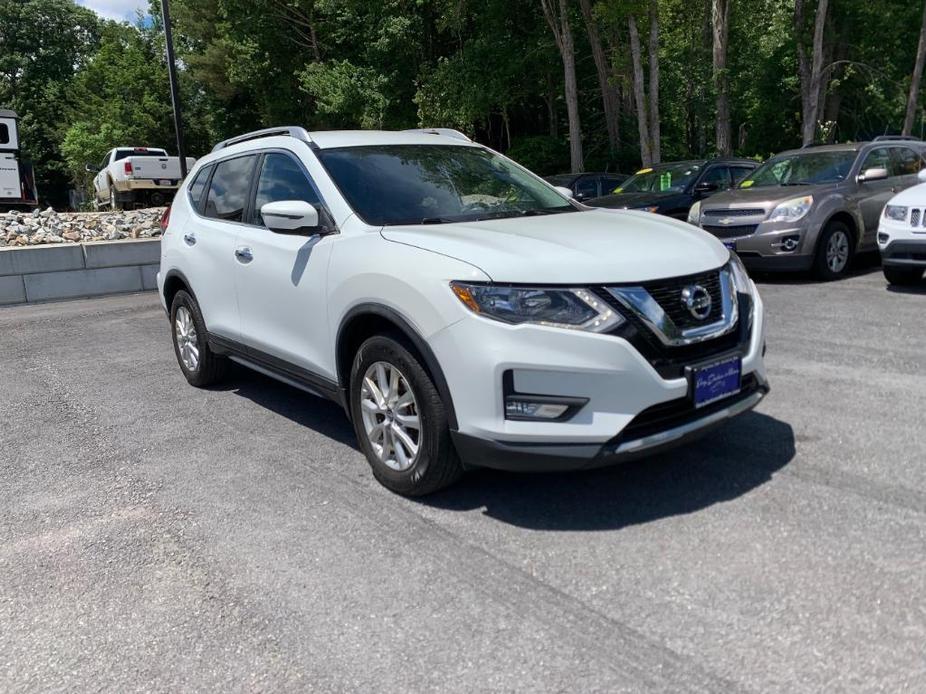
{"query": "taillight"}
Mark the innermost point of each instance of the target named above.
(128, 168)
(165, 219)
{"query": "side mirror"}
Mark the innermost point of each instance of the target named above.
(90, 168)
(706, 187)
(876, 174)
(291, 217)
(565, 192)
(921, 176)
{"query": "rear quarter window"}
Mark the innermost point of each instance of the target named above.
(198, 187)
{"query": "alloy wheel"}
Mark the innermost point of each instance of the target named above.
(390, 416)
(837, 251)
(187, 340)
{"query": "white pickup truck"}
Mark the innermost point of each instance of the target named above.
(130, 175)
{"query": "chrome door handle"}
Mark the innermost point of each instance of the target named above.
(244, 254)
(190, 239)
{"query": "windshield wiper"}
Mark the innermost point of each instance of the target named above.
(437, 220)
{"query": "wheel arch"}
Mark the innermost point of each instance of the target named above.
(849, 220)
(366, 320)
(174, 281)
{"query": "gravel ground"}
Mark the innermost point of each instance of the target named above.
(154, 537)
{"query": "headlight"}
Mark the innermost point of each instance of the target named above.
(896, 212)
(740, 276)
(694, 214)
(792, 210)
(575, 309)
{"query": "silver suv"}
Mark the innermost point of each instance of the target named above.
(813, 208)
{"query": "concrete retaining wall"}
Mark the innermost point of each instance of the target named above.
(72, 271)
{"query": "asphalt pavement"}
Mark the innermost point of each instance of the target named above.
(155, 537)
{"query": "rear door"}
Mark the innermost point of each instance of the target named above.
(282, 277)
(209, 240)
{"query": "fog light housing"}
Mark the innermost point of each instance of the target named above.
(519, 407)
(525, 407)
(883, 238)
(790, 243)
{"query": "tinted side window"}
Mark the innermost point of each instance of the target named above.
(587, 187)
(909, 162)
(879, 159)
(228, 192)
(719, 175)
(4, 134)
(198, 186)
(740, 172)
(609, 183)
(281, 178)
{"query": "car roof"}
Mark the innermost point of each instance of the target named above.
(329, 139)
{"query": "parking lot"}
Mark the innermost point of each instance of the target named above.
(158, 537)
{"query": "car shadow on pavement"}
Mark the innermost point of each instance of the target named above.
(722, 466)
(864, 264)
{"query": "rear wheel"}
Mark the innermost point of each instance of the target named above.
(834, 252)
(400, 420)
(199, 364)
(902, 276)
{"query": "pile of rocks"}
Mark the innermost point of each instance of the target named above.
(48, 226)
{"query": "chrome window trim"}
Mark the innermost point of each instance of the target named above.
(639, 302)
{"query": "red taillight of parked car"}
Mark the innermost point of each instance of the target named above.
(128, 168)
(165, 219)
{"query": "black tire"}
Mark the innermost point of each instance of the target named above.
(902, 276)
(821, 267)
(211, 368)
(436, 465)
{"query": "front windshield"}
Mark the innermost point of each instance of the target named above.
(670, 178)
(805, 168)
(433, 184)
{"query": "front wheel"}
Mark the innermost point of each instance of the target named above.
(834, 252)
(902, 276)
(400, 420)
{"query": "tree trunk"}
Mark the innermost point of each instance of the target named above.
(654, 128)
(720, 23)
(557, 17)
(811, 71)
(609, 97)
(639, 93)
(550, 98)
(914, 96)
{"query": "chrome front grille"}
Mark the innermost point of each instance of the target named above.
(660, 306)
(915, 218)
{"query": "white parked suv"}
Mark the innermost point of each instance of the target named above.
(463, 312)
(902, 235)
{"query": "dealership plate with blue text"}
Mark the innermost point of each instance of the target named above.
(716, 381)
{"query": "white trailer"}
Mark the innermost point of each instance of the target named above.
(17, 181)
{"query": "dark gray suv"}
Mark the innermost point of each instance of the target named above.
(813, 208)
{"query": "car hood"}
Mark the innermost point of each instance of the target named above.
(594, 246)
(911, 196)
(631, 200)
(765, 197)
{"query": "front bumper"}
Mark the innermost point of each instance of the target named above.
(621, 387)
(533, 457)
(764, 248)
(900, 245)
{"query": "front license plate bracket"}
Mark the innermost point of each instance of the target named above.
(716, 380)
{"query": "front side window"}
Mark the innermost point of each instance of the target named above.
(804, 168)
(879, 159)
(740, 172)
(4, 134)
(228, 191)
(433, 184)
(587, 187)
(281, 178)
(719, 176)
(198, 186)
(668, 178)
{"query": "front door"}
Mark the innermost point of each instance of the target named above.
(282, 278)
(873, 195)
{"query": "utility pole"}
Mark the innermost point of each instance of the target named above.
(174, 92)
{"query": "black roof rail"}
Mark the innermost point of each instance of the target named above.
(896, 138)
(288, 130)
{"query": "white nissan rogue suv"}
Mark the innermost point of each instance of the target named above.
(462, 311)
